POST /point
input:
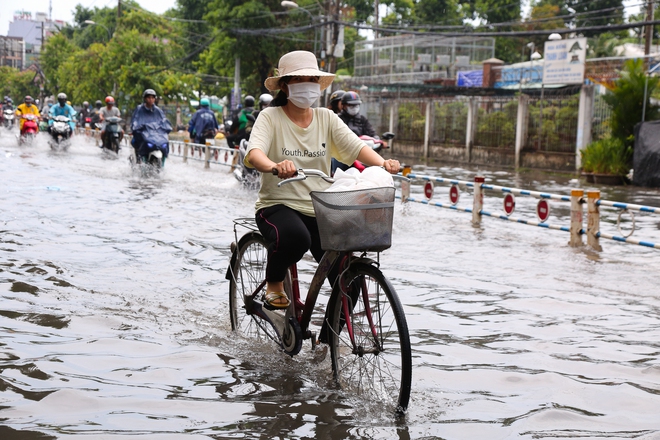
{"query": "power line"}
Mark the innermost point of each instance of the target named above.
(525, 33)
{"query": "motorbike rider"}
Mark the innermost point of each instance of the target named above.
(240, 123)
(349, 103)
(107, 112)
(148, 114)
(203, 125)
(95, 114)
(26, 108)
(350, 114)
(335, 101)
(83, 114)
(62, 109)
(264, 101)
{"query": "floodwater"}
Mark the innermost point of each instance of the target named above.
(114, 320)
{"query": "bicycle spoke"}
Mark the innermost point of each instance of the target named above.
(376, 361)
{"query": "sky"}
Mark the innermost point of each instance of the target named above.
(63, 9)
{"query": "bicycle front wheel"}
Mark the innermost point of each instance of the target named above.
(247, 272)
(370, 350)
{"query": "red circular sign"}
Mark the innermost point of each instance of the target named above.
(428, 190)
(453, 194)
(509, 203)
(543, 210)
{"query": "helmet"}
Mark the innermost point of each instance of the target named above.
(109, 100)
(28, 99)
(249, 101)
(336, 96)
(204, 102)
(350, 98)
(61, 97)
(148, 92)
(98, 103)
(265, 99)
(85, 104)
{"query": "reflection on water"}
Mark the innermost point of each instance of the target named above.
(114, 315)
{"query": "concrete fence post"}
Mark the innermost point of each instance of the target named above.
(521, 126)
(427, 129)
(585, 118)
(471, 127)
(207, 155)
(577, 199)
(593, 220)
(478, 200)
(392, 125)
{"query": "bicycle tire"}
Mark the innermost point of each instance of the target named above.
(379, 368)
(247, 273)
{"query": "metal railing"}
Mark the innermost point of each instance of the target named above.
(575, 201)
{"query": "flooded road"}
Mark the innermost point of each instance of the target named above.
(114, 316)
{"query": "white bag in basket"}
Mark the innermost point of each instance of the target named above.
(352, 179)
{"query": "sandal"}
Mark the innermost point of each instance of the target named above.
(276, 300)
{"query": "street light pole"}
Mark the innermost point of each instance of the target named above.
(646, 87)
(293, 5)
(99, 24)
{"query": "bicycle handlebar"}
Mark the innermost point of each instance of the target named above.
(303, 173)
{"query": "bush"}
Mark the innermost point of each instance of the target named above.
(607, 156)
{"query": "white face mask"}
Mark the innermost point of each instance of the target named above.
(353, 110)
(304, 94)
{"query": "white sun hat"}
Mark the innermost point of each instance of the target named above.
(298, 63)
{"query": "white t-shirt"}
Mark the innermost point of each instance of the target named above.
(313, 147)
(114, 111)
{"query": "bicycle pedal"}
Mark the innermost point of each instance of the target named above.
(320, 353)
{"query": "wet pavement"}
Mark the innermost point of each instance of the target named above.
(114, 319)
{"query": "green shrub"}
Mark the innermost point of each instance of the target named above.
(607, 156)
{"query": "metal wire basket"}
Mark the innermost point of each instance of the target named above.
(359, 220)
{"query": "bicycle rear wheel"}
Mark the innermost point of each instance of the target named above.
(247, 273)
(377, 361)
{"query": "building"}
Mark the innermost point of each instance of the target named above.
(12, 52)
(33, 31)
(416, 58)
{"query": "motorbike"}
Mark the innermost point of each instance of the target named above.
(378, 144)
(8, 118)
(30, 129)
(249, 177)
(113, 135)
(60, 132)
(156, 143)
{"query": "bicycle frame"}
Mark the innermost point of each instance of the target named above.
(364, 323)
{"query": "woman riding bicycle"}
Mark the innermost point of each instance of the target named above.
(288, 135)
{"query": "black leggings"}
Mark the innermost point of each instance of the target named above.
(289, 235)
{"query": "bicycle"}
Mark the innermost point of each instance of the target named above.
(366, 328)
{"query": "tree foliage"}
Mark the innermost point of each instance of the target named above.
(142, 52)
(627, 100)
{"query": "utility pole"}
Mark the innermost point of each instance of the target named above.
(649, 28)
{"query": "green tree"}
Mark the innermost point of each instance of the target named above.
(627, 100)
(143, 53)
(17, 84)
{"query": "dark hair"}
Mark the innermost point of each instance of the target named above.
(281, 99)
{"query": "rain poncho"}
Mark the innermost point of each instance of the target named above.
(67, 111)
(150, 126)
(203, 121)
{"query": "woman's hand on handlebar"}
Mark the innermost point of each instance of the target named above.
(285, 169)
(392, 166)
